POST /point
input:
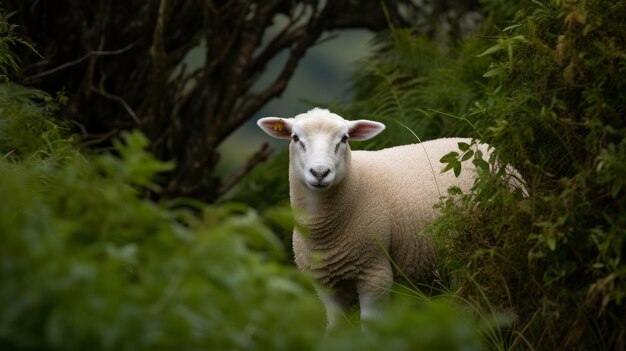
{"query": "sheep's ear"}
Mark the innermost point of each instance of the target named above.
(277, 127)
(363, 129)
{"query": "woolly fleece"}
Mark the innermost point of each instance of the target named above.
(384, 201)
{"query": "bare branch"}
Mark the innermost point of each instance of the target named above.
(157, 51)
(253, 102)
(157, 77)
(250, 39)
(94, 139)
(261, 155)
(78, 61)
(282, 40)
(121, 101)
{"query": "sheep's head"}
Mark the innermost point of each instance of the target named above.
(319, 144)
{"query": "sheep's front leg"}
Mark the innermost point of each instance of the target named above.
(335, 306)
(371, 305)
(373, 289)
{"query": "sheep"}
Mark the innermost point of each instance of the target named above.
(359, 213)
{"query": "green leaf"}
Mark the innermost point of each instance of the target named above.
(480, 163)
(457, 169)
(450, 157)
(463, 146)
(511, 27)
(479, 154)
(455, 190)
(447, 167)
(491, 50)
(493, 72)
(551, 241)
(467, 155)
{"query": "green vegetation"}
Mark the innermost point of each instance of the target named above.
(88, 261)
(555, 109)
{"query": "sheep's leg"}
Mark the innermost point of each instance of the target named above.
(371, 303)
(335, 306)
(373, 290)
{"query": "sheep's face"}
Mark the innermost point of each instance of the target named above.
(320, 154)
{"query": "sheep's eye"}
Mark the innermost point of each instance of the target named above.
(344, 138)
(295, 138)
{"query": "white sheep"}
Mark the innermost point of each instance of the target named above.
(360, 208)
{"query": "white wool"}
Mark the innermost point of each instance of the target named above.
(374, 206)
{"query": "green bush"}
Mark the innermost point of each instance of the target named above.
(554, 108)
(87, 263)
(428, 325)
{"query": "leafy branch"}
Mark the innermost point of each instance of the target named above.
(454, 160)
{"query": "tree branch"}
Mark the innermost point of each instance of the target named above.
(282, 40)
(253, 102)
(122, 102)
(68, 64)
(157, 79)
(261, 155)
(251, 36)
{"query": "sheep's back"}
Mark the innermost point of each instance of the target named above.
(405, 183)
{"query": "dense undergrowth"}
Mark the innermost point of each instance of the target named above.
(555, 108)
(87, 261)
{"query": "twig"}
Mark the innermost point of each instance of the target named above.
(486, 36)
(78, 61)
(261, 155)
(98, 138)
(121, 101)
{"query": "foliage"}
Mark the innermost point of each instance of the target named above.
(554, 109)
(266, 185)
(87, 263)
(417, 83)
(437, 325)
(9, 61)
(32, 132)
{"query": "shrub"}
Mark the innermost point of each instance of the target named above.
(554, 108)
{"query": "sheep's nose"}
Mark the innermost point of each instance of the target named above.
(319, 172)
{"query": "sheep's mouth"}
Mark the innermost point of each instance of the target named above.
(319, 186)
